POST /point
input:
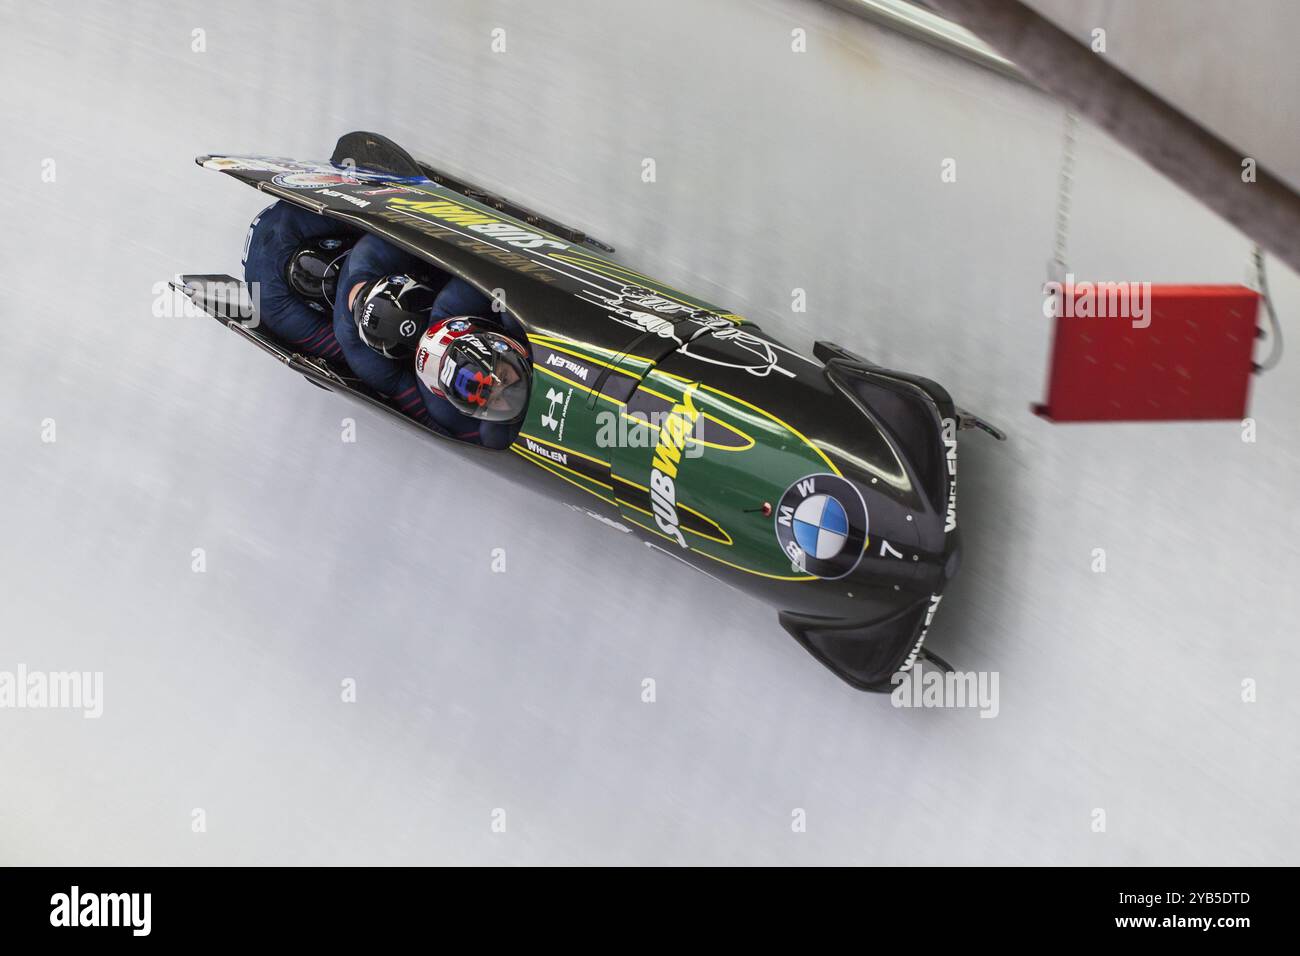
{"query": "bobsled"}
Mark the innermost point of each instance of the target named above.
(823, 484)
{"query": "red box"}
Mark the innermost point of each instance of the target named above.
(1192, 361)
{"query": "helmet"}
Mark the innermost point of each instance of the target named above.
(482, 373)
(390, 312)
(313, 269)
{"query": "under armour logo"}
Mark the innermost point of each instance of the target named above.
(467, 379)
(554, 397)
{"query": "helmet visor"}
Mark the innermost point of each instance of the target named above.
(490, 387)
(509, 396)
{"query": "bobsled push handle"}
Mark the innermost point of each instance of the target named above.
(372, 151)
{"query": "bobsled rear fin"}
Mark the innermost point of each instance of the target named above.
(373, 151)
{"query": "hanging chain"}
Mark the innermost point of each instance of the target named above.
(1056, 269)
(1261, 286)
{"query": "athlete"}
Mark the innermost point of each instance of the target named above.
(379, 321)
(327, 290)
(474, 379)
(292, 258)
(381, 310)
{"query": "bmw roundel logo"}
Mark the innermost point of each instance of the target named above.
(821, 524)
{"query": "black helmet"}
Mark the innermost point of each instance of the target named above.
(313, 269)
(391, 313)
(484, 374)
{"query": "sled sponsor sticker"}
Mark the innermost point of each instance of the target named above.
(821, 525)
(557, 360)
(313, 180)
(254, 164)
(570, 368)
(950, 453)
(556, 400)
(552, 454)
(335, 194)
(456, 214)
(673, 435)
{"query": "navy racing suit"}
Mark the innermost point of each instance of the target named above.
(273, 237)
(372, 258)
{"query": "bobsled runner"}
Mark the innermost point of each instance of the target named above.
(823, 485)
